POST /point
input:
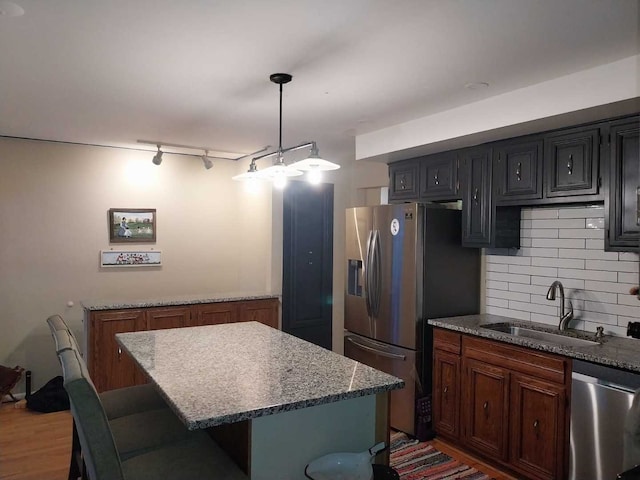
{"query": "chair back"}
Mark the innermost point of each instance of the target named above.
(62, 334)
(98, 446)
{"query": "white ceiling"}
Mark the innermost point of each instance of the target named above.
(197, 72)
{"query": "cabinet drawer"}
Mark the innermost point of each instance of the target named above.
(542, 365)
(446, 340)
(403, 178)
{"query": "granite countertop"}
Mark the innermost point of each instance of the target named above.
(237, 371)
(612, 351)
(92, 305)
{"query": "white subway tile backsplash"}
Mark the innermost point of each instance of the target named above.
(498, 285)
(612, 266)
(540, 271)
(594, 223)
(612, 287)
(588, 274)
(538, 213)
(581, 212)
(564, 223)
(505, 312)
(594, 244)
(581, 233)
(521, 297)
(511, 260)
(557, 262)
(565, 244)
(624, 277)
(508, 277)
(557, 243)
(594, 254)
(537, 252)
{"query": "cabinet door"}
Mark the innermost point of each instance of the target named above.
(476, 201)
(403, 181)
(169, 317)
(485, 408)
(438, 177)
(213, 314)
(263, 311)
(446, 385)
(517, 171)
(110, 367)
(572, 162)
(537, 427)
(621, 212)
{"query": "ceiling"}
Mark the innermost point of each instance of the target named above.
(196, 72)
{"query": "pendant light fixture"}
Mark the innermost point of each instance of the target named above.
(278, 172)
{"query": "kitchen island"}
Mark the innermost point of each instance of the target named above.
(290, 400)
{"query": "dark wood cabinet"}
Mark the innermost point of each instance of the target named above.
(484, 224)
(446, 391)
(621, 207)
(517, 171)
(505, 402)
(439, 177)
(110, 367)
(404, 179)
(485, 417)
(572, 162)
(113, 368)
(537, 426)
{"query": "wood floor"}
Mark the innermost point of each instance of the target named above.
(36, 446)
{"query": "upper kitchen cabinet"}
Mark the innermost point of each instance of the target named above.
(484, 225)
(404, 179)
(571, 162)
(439, 177)
(621, 207)
(517, 171)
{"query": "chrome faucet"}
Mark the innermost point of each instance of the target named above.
(565, 318)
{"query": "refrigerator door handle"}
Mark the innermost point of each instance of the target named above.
(367, 275)
(375, 273)
(382, 353)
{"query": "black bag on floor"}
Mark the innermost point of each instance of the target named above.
(52, 397)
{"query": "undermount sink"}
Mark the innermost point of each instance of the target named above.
(544, 336)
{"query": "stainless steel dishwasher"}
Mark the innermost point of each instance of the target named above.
(600, 399)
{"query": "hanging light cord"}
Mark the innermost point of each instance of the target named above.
(280, 137)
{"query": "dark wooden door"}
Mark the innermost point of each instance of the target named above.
(307, 277)
(213, 314)
(404, 178)
(446, 386)
(621, 214)
(439, 177)
(517, 171)
(476, 200)
(485, 408)
(537, 427)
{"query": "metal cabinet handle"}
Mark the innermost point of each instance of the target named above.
(446, 389)
(475, 196)
(536, 423)
(570, 164)
(119, 353)
(403, 185)
(435, 178)
(519, 171)
(486, 405)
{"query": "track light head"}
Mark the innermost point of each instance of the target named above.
(206, 161)
(157, 159)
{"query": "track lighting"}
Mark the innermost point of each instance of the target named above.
(207, 162)
(157, 159)
(279, 171)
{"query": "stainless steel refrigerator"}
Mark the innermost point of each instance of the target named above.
(405, 264)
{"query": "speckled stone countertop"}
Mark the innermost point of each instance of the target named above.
(91, 305)
(612, 351)
(236, 371)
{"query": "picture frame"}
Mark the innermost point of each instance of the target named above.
(132, 225)
(130, 258)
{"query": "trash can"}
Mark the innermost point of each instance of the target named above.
(382, 472)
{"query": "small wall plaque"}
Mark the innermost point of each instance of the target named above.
(130, 258)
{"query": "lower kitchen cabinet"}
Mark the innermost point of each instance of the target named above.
(484, 415)
(537, 426)
(508, 404)
(110, 367)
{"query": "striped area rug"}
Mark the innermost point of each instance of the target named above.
(419, 461)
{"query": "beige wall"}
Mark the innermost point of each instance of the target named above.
(214, 235)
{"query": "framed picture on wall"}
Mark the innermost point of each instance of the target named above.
(132, 225)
